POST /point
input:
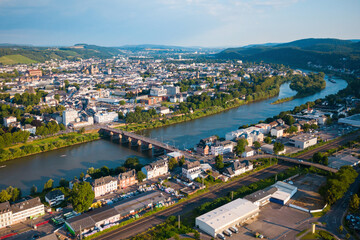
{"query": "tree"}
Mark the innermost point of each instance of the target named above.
(15, 193)
(257, 145)
(354, 203)
(341, 229)
(133, 163)
(267, 140)
(82, 175)
(172, 163)
(320, 158)
(289, 120)
(278, 147)
(182, 161)
(140, 176)
(63, 183)
(82, 196)
(292, 129)
(33, 190)
(48, 184)
(197, 235)
(82, 130)
(240, 147)
(4, 196)
(219, 162)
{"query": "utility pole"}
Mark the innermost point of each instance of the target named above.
(179, 221)
(202, 181)
(80, 233)
(232, 195)
(276, 178)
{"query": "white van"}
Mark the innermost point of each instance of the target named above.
(221, 236)
(227, 233)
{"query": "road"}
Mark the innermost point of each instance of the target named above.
(180, 209)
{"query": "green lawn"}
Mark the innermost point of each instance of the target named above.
(15, 59)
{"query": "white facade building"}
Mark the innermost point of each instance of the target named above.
(158, 91)
(191, 170)
(303, 141)
(104, 185)
(5, 215)
(156, 169)
(26, 209)
(106, 117)
(69, 116)
(9, 120)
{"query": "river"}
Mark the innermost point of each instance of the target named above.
(71, 161)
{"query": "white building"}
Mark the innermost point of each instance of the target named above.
(9, 120)
(284, 192)
(238, 168)
(156, 169)
(5, 215)
(104, 185)
(54, 197)
(30, 128)
(253, 133)
(69, 116)
(172, 90)
(303, 141)
(191, 170)
(220, 148)
(277, 131)
(226, 216)
(158, 91)
(27, 209)
(106, 117)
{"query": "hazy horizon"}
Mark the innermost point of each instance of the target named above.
(188, 23)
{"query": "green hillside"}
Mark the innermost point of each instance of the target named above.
(15, 59)
(334, 52)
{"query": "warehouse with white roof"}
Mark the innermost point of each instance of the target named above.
(226, 216)
(284, 192)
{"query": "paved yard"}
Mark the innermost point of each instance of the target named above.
(273, 222)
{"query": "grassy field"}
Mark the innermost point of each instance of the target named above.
(15, 59)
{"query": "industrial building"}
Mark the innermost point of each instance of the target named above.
(113, 213)
(226, 216)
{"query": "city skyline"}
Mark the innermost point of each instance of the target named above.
(180, 23)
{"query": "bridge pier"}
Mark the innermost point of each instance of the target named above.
(146, 146)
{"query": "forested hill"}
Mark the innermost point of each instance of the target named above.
(335, 52)
(27, 54)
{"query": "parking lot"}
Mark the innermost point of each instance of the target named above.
(273, 221)
(307, 195)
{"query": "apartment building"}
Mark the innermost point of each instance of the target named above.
(27, 209)
(104, 185)
(127, 179)
(156, 169)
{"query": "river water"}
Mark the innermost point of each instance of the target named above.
(71, 161)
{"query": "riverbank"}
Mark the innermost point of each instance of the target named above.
(195, 115)
(45, 145)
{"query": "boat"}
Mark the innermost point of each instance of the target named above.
(63, 155)
(332, 80)
(2, 166)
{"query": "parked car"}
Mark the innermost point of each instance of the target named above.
(221, 236)
(234, 229)
(227, 233)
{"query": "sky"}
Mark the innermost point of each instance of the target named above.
(206, 23)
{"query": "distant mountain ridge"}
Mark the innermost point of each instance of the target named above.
(319, 51)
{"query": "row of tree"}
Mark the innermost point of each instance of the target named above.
(337, 184)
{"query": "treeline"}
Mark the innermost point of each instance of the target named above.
(50, 144)
(307, 85)
(7, 75)
(49, 129)
(130, 163)
(337, 184)
(8, 138)
(139, 116)
(10, 194)
(29, 99)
